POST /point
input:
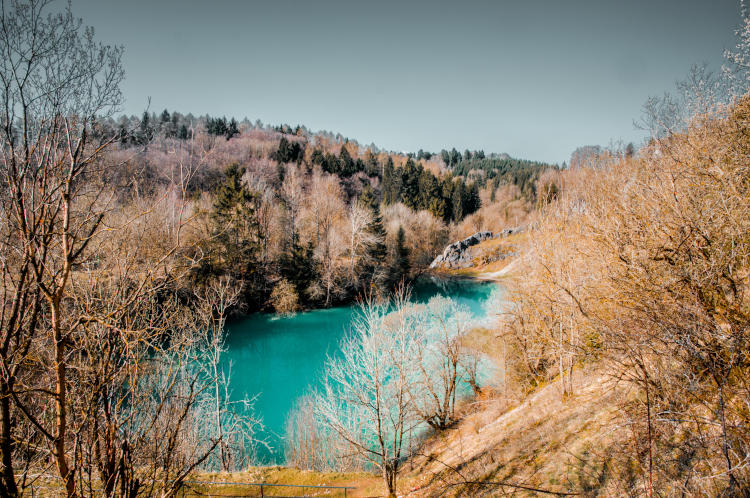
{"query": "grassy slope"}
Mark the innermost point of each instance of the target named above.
(539, 440)
(543, 442)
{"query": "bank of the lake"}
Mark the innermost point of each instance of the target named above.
(277, 359)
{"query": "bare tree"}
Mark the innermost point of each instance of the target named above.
(324, 209)
(310, 444)
(644, 263)
(737, 69)
(442, 360)
(214, 303)
(87, 378)
(359, 238)
(54, 81)
(703, 93)
(366, 399)
(292, 191)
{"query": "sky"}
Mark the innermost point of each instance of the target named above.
(531, 78)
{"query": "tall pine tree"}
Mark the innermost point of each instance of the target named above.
(391, 184)
(374, 266)
(298, 266)
(400, 265)
(236, 234)
(346, 162)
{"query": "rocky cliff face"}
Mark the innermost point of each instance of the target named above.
(463, 254)
(458, 254)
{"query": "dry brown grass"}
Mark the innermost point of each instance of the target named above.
(364, 484)
(542, 442)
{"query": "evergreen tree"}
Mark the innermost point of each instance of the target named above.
(289, 151)
(232, 129)
(184, 133)
(359, 165)
(409, 191)
(429, 192)
(438, 207)
(282, 153)
(168, 124)
(367, 198)
(372, 168)
(458, 200)
(298, 266)
(523, 174)
(346, 162)
(630, 150)
(331, 164)
(472, 202)
(146, 131)
(446, 192)
(455, 157)
(236, 233)
(317, 157)
(400, 266)
(377, 251)
(391, 184)
(123, 135)
(217, 126)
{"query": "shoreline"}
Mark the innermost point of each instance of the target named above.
(473, 273)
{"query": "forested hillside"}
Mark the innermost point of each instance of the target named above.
(301, 219)
(497, 170)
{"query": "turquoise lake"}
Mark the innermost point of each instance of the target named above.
(278, 359)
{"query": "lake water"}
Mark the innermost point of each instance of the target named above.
(278, 359)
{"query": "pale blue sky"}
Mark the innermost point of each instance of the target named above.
(535, 79)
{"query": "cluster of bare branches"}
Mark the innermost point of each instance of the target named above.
(400, 371)
(645, 265)
(107, 379)
(702, 92)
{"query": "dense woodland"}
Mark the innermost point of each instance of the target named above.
(301, 219)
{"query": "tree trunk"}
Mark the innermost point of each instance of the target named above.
(222, 446)
(60, 399)
(9, 486)
(389, 475)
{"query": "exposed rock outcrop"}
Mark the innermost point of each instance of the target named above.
(458, 254)
(509, 231)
